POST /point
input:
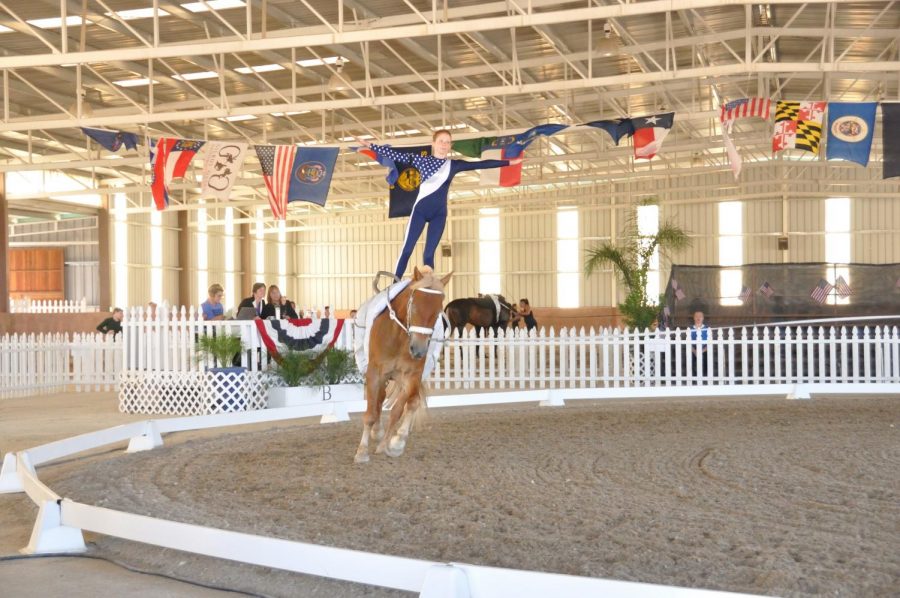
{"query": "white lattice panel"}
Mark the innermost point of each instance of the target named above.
(189, 393)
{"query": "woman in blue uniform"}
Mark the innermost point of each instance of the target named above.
(430, 207)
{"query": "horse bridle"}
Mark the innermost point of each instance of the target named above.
(408, 328)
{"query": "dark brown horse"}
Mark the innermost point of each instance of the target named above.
(398, 346)
(480, 312)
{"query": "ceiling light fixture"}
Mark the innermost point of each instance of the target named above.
(608, 45)
(337, 82)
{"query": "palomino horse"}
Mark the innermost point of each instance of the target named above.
(399, 342)
(480, 312)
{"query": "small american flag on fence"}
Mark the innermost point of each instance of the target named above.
(767, 289)
(746, 292)
(744, 108)
(821, 291)
(843, 289)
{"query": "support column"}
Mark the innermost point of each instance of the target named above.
(4, 247)
(246, 277)
(104, 260)
(184, 263)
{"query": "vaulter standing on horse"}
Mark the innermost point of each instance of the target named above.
(430, 207)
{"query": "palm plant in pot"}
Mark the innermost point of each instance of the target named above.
(224, 382)
(631, 259)
(311, 377)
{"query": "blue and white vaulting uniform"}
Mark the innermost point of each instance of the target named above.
(430, 206)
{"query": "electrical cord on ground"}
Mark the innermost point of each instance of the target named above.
(22, 557)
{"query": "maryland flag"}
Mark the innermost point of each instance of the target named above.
(798, 125)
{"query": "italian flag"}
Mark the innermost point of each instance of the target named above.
(507, 176)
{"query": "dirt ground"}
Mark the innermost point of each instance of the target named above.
(761, 495)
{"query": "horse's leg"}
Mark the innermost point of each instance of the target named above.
(398, 441)
(377, 430)
(396, 411)
(374, 398)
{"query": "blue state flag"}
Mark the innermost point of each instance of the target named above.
(112, 140)
(523, 140)
(311, 174)
(851, 126)
(616, 128)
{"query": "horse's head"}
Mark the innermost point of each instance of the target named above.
(423, 307)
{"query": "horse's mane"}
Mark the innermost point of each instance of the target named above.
(428, 281)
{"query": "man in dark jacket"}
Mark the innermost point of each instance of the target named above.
(255, 300)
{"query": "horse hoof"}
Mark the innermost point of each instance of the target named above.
(393, 452)
(361, 458)
(379, 449)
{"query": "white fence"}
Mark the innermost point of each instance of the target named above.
(46, 363)
(47, 306)
(621, 359)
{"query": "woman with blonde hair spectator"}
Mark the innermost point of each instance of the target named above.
(212, 307)
(274, 299)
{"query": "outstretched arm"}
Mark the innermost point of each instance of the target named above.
(387, 151)
(479, 164)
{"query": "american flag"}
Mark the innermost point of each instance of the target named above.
(767, 289)
(821, 291)
(277, 162)
(746, 292)
(843, 289)
(744, 108)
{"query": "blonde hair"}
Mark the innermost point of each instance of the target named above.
(215, 289)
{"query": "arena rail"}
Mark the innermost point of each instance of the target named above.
(50, 306)
(61, 522)
(46, 363)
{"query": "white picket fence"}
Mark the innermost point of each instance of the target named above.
(48, 306)
(33, 364)
(623, 359)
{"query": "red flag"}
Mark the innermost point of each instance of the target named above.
(505, 176)
(277, 163)
(745, 108)
(170, 160)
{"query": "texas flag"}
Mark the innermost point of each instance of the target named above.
(649, 133)
(170, 160)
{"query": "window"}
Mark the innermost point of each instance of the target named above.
(837, 244)
(282, 256)
(568, 272)
(648, 225)
(121, 248)
(202, 255)
(230, 276)
(156, 253)
(731, 252)
(489, 250)
(260, 273)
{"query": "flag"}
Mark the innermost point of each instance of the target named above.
(311, 174)
(734, 157)
(617, 128)
(843, 289)
(767, 289)
(277, 162)
(798, 125)
(649, 133)
(170, 161)
(679, 294)
(112, 140)
(890, 135)
(746, 293)
(404, 180)
(851, 127)
(745, 108)
(223, 163)
(505, 176)
(820, 291)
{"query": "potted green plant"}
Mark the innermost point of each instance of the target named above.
(631, 258)
(311, 377)
(225, 384)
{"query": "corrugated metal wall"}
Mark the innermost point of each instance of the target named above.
(79, 238)
(331, 258)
